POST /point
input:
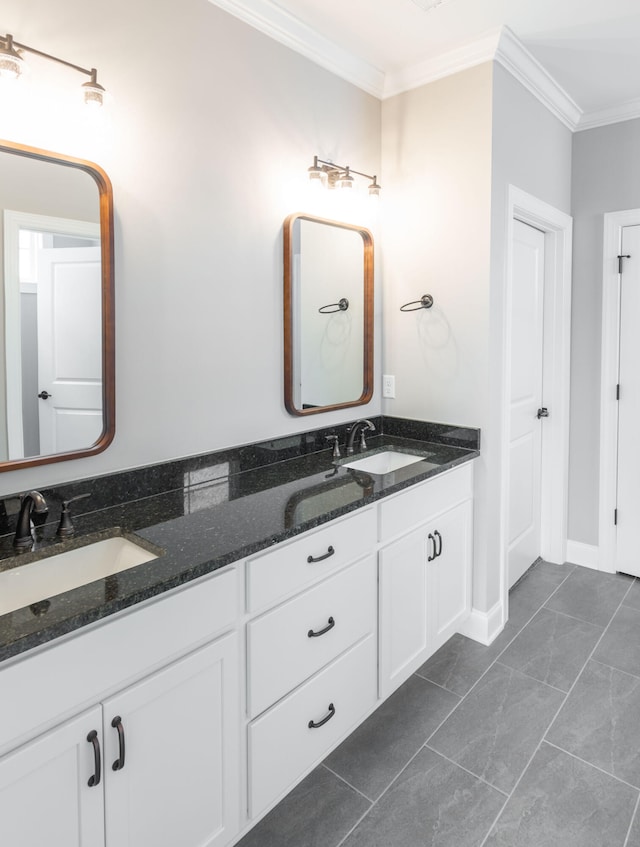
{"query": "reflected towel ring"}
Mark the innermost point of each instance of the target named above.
(425, 302)
(342, 306)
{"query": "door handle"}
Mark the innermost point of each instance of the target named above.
(439, 553)
(116, 723)
(94, 779)
(44, 395)
(431, 557)
(542, 413)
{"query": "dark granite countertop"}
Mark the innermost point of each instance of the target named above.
(201, 527)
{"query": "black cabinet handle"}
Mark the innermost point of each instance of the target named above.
(94, 779)
(330, 625)
(327, 555)
(432, 556)
(332, 711)
(439, 553)
(116, 723)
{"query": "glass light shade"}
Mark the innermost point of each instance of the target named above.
(316, 175)
(11, 63)
(346, 180)
(93, 94)
(374, 189)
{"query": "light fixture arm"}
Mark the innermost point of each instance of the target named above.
(9, 42)
(332, 166)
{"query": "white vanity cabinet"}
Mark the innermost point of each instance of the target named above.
(425, 572)
(157, 762)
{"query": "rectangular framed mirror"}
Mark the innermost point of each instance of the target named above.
(57, 361)
(328, 315)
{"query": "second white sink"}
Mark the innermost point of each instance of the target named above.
(382, 463)
(44, 578)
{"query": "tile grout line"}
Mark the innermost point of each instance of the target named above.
(591, 765)
(346, 782)
(438, 685)
(614, 668)
(497, 658)
(471, 773)
(633, 817)
(519, 780)
(528, 676)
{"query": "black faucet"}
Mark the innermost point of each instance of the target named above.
(366, 425)
(33, 501)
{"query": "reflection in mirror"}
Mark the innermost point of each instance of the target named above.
(56, 342)
(328, 309)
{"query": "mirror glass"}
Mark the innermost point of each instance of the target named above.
(328, 306)
(56, 308)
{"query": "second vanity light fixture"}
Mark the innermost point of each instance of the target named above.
(339, 176)
(12, 63)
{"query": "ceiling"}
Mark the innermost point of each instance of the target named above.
(588, 50)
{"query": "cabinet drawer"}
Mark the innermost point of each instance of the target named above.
(281, 654)
(286, 570)
(40, 689)
(410, 508)
(282, 745)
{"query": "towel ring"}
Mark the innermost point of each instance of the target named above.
(342, 306)
(425, 302)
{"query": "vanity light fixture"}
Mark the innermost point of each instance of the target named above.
(12, 63)
(340, 176)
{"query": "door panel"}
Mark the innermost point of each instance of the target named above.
(44, 793)
(628, 500)
(525, 398)
(179, 784)
(69, 348)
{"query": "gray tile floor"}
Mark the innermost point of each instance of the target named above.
(532, 742)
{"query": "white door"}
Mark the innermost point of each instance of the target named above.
(69, 348)
(45, 796)
(628, 494)
(179, 785)
(525, 398)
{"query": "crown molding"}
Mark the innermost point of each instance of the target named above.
(628, 111)
(429, 70)
(272, 20)
(501, 45)
(514, 56)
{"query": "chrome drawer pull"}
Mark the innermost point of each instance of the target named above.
(330, 625)
(332, 711)
(328, 554)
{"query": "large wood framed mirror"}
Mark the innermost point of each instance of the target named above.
(328, 315)
(57, 361)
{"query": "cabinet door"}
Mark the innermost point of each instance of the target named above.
(404, 626)
(179, 784)
(449, 574)
(45, 797)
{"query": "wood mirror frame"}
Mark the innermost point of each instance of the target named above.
(105, 206)
(289, 349)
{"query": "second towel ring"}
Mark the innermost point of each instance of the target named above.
(425, 302)
(342, 306)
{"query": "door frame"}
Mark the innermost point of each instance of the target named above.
(558, 229)
(614, 222)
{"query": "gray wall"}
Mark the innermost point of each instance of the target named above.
(606, 178)
(207, 155)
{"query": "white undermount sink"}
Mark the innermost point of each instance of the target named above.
(382, 463)
(44, 578)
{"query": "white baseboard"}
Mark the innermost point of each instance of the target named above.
(587, 555)
(484, 626)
